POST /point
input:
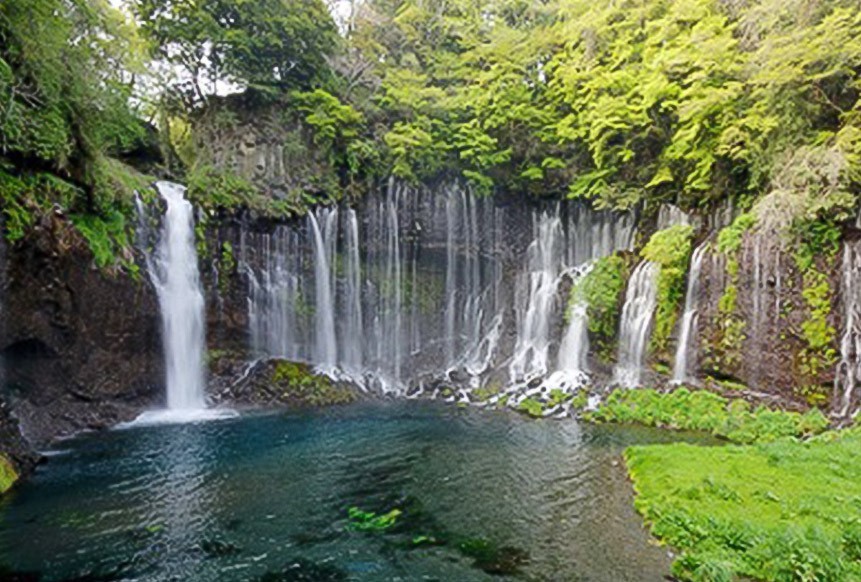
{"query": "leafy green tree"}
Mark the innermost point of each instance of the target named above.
(269, 45)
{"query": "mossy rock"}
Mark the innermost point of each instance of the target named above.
(297, 383)
(8, 474)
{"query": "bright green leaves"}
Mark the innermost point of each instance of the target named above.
(265, 44)
(601, 290)
(671, 249)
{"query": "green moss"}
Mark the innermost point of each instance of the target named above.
(298, 382)
(818, 244)
(702, 410)
(214, 189)
(786, 510)
(8, 474)
(532, 407)
(485, 393)
(108, 239)
(730, 238)
(227, 265)
(601, 290)
(725, 351)
(671, 249)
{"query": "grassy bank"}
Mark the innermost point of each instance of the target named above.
(787, 510)
(684, 409)
(776, 507)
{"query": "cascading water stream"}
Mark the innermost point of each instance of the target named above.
(174, 273)
(325, 344)
(177, 281)
(636, 322)
(536, 291)
(688, 326)
(412, 288)
(353, 333)
(848, 375)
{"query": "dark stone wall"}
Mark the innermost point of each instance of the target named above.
(81, 347)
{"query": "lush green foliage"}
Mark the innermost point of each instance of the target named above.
(671, 249)
(726, 351)
(702, 410)
(781, 511)
(268, 45)
(601, 290)
(64, 107)
(686, 99)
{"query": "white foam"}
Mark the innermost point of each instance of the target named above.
(178, 416)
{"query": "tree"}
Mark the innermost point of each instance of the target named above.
(270, 45)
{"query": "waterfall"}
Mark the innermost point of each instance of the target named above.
(177, 282)
(325, 346)
(414, 286)
(273, 296)
(848, 373)
(639, 307)
(535, 295)
(572, 368)
(687, 329)
(353, 333)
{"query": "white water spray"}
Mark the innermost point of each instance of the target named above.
(640, 304)
(687, 329)
(325, 346)
(174, 273)
(536, 291)
(177, 281)
(848, 374)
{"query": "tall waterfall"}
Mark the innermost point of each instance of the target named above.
(352, 336)
(325, 346)
(416, 287)
(848, 374)
(535, 294)
(688, 326)
(177, 281)
(636, 322)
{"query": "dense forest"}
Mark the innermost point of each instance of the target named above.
(688, 101)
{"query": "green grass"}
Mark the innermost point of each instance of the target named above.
(702, 410)
(786, 510)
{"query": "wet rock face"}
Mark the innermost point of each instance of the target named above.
(81, 348)
(762, 344)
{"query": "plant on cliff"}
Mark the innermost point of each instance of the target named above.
(8, 474)
(65, 70)
(601, 290)
(671, 249)
(726, 349)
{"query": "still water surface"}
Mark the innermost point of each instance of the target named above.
(267, 497)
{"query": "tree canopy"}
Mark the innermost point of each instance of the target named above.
(690, 101)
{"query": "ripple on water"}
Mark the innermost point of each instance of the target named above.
(235, 500)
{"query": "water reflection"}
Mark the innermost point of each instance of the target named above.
(478, 493)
